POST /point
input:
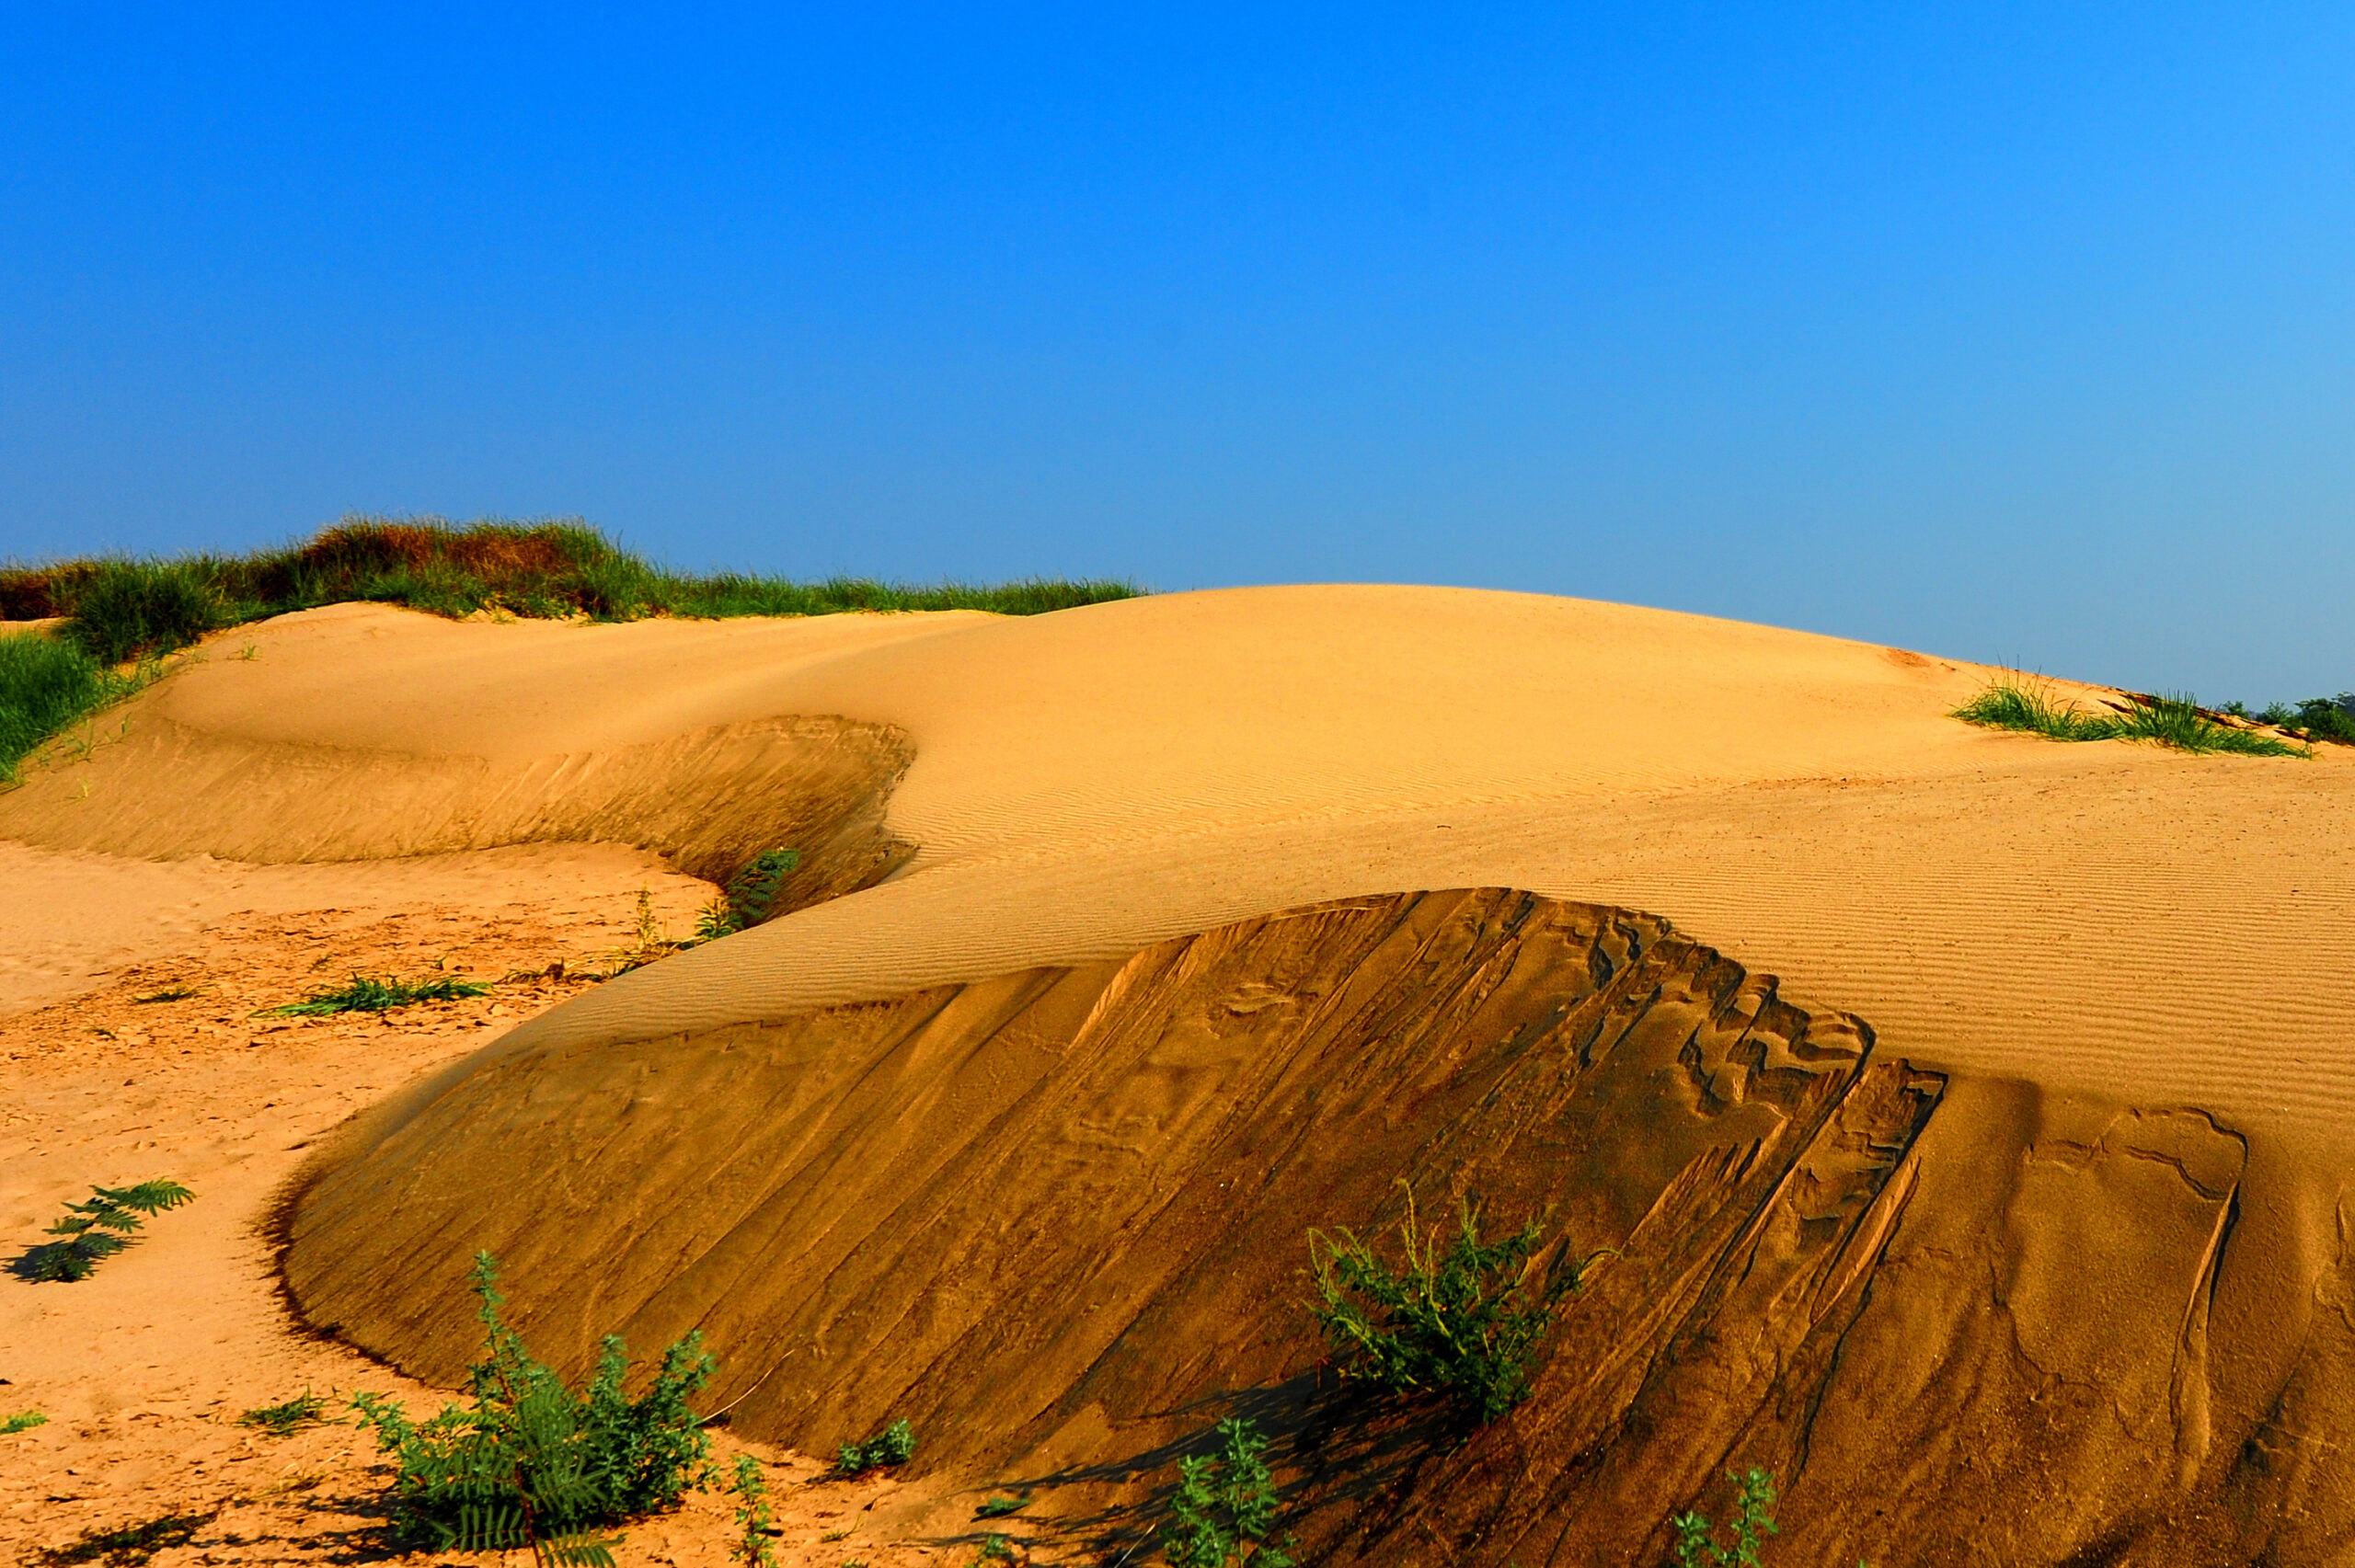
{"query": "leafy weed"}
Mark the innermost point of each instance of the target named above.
(98, 1227)
(364, 994)
(895, 1445)
(531, 1464)
(1224, 1508)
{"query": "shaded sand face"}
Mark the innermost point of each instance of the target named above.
(2127, 972)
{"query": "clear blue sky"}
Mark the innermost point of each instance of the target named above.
(2012, 331)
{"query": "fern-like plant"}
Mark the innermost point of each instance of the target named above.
(1461, 1322)
(531, 1464)
(98, 1227)
(1224, 1508)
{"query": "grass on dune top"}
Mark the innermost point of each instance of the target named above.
(2177, 722)
(119, 609)
(121, 616)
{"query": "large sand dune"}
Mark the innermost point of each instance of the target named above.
(2056, 1266)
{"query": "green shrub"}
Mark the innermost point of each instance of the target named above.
(1697, 1542)
(531, 1464)
(364, 994)
(305, 1408)
(895, 1445)
(999, 1507)
(23, 1421)
(98, 1227)
(1224, 1506)
(48, 686)
(1460, 1323)
(124, 610)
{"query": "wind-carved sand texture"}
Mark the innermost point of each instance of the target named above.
(2094, 1308)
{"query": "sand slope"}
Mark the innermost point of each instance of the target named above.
(2127, 966)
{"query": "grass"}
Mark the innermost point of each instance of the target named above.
(305, 1408)
(1460, 1322)
(47, 687)
(23, 1421)
(129, 1546)
(119, 609)
(999, 1507)
(530, 1464)
(2176, 722)
(98, 1227)
(364, 993)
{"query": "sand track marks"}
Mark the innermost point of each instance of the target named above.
(1056, 1219)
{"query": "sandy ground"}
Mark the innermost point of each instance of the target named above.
(2111, 922)
(144, 1368)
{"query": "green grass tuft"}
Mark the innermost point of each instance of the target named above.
(47, 686)
(364, 993)
(999, 1507)
(23, 1421)
(305, 1408)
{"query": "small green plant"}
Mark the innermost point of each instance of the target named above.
(895, 1445)
(129, 1546)
(531, 1463)
(98, 1227)
(1224, 1508)
(753, 1518)
(750, 895)
(993, 1549)
(1461, 1323)
(362, 993)
(999, 1507)
(23, 1421)
(1697, 1542)
(305, 1408)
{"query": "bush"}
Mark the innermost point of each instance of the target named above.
(753, 1515)
(123, 610)
(98, 1227)
(531, 1463)
(1224, 1506)
(895, 1445)
(1462, 1324)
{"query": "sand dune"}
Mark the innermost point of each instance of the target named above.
(2117, 960)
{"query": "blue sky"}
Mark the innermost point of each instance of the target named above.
(2006, 331)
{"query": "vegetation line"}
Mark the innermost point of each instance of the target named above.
(2179, 722)
(118, 612)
